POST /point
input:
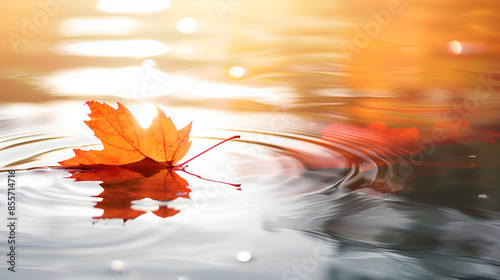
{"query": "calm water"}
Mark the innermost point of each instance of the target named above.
(379, 164)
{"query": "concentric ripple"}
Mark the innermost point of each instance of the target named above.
(303, 187)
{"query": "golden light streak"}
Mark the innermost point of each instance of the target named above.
(112, 48)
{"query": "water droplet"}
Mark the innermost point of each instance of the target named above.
(472, 156)
(244, 256)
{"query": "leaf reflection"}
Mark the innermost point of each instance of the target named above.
(127, 183)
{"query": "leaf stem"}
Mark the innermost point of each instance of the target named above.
(230, 138)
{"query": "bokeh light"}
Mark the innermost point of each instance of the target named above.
(244, 256)
(237, 72)
(455, 47)
(187, 25)
(117, 266)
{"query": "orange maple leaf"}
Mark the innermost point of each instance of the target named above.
(125, 141)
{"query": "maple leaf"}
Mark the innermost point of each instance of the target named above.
(125, 141)
(135, 163)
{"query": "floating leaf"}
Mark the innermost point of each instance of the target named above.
(125, 141)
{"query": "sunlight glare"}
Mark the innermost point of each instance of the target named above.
(133, 6)
(187, 25)
(455, 47)
(92, 81)
(112, 48)
(96, 26)
(144, 113)
(237, 72)
(123, 81)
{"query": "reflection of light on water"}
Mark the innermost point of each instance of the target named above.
(192, 88)
(96, 26)
(112, 48)
(150, 208)
(187, 25)
(123, 81)
(455, 47)
(89, 81)
(237, 72)
(144, 113)
(133, 6)
(147, 217)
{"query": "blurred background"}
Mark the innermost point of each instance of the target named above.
(427, 55)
